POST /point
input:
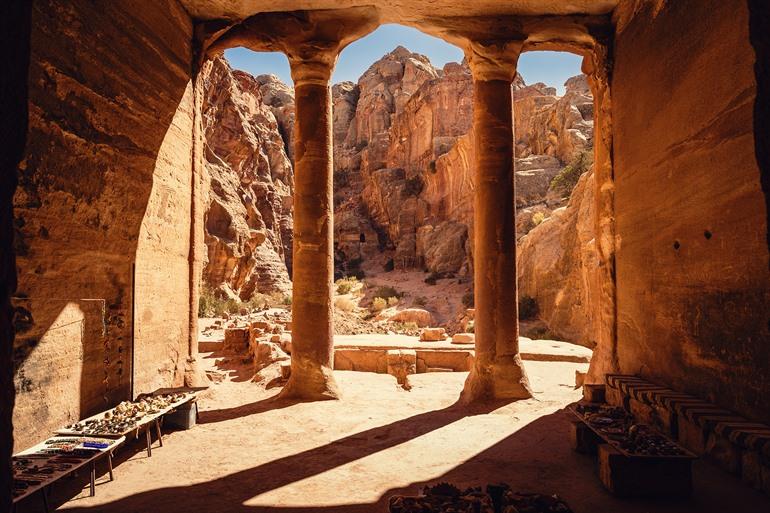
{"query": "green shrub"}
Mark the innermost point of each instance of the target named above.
(538, 218)
(528, 308)
(468, 299)
(286, 300)
(212, 305)
(389, 265)
(568, 177)
(378, 304)
(470, 327)
(431, 279)
(392, 301)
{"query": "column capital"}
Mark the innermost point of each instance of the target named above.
(493, 59)
(311, 40)
(312, 62)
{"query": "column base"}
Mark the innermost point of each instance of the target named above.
(194, 376)
(504, 378)
(310, 382)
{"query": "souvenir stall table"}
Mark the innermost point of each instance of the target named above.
(37, 468)
(84, 442)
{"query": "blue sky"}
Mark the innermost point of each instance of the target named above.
(553, 68)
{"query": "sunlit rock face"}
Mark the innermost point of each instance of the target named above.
(556, 266)
(247, 125)
(403, 171)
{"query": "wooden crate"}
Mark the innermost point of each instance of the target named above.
(632, 476)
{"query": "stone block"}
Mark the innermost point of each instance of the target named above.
(237, 340)
(691, 436)
(723, 452)
(614, 397)
(401, 363)
(463, 338)
(459, 361)
(432, 335)
(594, 393)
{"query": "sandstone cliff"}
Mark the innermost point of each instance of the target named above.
(557, 266)
(403, 173)
(247, 127)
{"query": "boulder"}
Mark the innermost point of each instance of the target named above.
(433, 335)
(267, 353)
(463, 338)
(422, 318)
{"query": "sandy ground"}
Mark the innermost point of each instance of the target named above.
(252, 453)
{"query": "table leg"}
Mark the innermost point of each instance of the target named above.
(160, 435)
(93, 478)
(149, 441)
(109, 464)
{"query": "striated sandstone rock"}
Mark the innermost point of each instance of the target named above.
(557, 265)
(249, 219)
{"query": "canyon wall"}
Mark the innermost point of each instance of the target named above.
(101, 153)
(693, 272)
(247, 127)
(403, 171)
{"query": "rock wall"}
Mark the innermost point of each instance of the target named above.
(693, 277)
(104, 120)
(248, 124)
(15, 28)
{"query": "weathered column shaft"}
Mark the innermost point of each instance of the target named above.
(497, 372)
(313, 254)
(496, 320)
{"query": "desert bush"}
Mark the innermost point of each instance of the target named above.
(212, 305)
(528, 308)
(420, 301)
(432, 167)
(468, 299)
(346, 285)
(538, 218)
(413, 186)
(568, 177)
(344, 304)
(470, 327)
(431, 279)
(378, 304)
(392, 301)
(389, 265)
(286, 300)
(387, 291)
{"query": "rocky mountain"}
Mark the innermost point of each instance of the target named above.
(247, 126)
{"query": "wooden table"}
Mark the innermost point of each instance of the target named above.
(43, 454)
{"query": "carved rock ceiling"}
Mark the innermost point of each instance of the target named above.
(411, 12)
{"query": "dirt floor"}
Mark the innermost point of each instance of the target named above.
(253, 453)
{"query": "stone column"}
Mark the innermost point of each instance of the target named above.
(497, 371)
(312, 349)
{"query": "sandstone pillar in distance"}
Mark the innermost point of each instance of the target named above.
(312, 349)
(497, 372)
